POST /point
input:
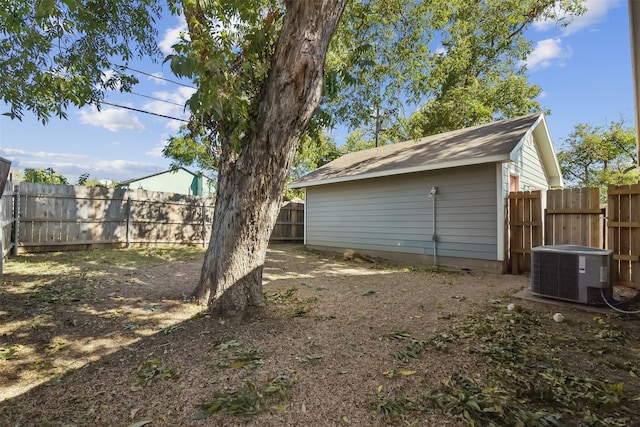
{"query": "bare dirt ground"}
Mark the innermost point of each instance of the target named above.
(109, 338)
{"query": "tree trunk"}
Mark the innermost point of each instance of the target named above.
(249, 193)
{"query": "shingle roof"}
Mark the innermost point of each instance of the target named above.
(487, 143)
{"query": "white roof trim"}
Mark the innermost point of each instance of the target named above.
(422, 168)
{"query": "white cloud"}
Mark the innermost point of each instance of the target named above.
(547, 52)
(172, 36)
(157, 78)
(173, 107)
(156, 151)
(117, 170)
(12, 153)
(113, 119)
(596, 12)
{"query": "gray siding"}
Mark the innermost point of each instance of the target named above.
(395, 213)
(528, 166)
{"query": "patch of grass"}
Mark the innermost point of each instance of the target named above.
(9, 352)
(250, 399)
(55, 346)
(75, 261)
(300, 311)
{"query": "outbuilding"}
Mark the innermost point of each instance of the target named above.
(178, 180)
(439, 200)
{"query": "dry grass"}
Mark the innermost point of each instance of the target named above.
(108, 338)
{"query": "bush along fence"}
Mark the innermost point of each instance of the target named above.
(575, 217)
(41, 217)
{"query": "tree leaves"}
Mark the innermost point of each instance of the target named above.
(595, 156)
(460, 63)
(56, 54)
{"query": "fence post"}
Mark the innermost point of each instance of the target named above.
(128, 221)
(16, 220)
(204, 225)
(293, 215)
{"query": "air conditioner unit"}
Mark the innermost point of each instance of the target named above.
(572, 273)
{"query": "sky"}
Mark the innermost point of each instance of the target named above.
(584, 70)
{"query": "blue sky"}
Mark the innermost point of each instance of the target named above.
(584, 70)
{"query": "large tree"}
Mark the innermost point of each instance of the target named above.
(456, 62)
(258, 67)
(596, 156)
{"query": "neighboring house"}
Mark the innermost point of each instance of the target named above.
(436, 200)
(16, 176)
(178, 180)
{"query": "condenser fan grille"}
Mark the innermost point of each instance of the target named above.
(555, 275)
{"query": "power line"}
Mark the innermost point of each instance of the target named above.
(156, 99)
(156, 77)
(143, 111)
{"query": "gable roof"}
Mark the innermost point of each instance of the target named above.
(489, 143)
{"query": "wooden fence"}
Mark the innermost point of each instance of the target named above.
(525, 222)
(575, 217)
(623, 211)
(46, 217)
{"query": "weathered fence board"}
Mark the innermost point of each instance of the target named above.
(7, 219)
(624, 233)
(290, 223)
(574, 217)
(54, 217)
(525, 225)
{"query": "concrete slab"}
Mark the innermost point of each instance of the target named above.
(525, 294)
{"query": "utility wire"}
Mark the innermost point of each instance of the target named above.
(156, 99)
(156, 77)
(143, 111)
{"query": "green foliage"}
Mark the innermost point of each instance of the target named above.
(86, 181)
(57, 54)
(228, 56)
(316, 149)
(300, 311)
(192, 147)
(9, 352)
(596, 156)
(46, 176)
(460, 62)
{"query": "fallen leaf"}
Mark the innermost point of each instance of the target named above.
(140, 423)
(133, 412)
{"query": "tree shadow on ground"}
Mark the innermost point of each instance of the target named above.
(323, 330)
